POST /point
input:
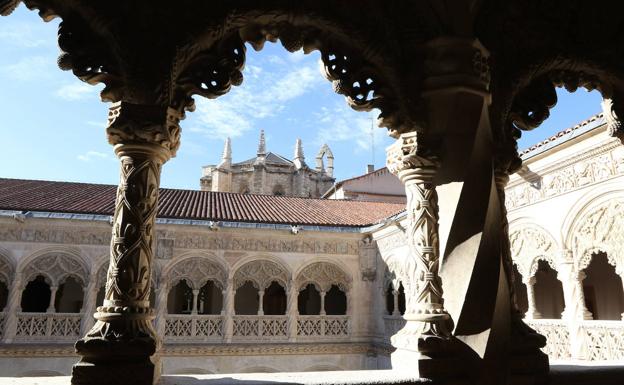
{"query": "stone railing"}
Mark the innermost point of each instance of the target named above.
(557, 337)
(274, 327)
(602, 340)
(48, 326)
(322, 326)
(393, 324)
(193, 328)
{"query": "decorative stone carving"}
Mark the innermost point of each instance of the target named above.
(601, 229)
(56, 267)
(368, 259)
(323, 275)
(197, 271)
(164, 248)
(528, 244)
(70, 236)
(261, 273)
(6, 271)
(392, 241)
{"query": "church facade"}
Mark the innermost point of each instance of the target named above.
(270, 173)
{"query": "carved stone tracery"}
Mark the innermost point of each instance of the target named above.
(56, 267)
(528, 245)
(197, 271)
(6, 270)
(323, 275)
(261, 273)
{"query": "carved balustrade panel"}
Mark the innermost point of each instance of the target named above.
(557, 337)
(265, 327)
(317, 327)
(48, 326)
(193, 328)
(604, 340)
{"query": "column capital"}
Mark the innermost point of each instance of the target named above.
(409, 159)
(145, 126)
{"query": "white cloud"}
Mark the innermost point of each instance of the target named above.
(25, 35)
(29, 68)
(92, 155)
(262, 94)
(76, 91)
(340, 123)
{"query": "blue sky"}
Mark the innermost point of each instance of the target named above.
(53, 124)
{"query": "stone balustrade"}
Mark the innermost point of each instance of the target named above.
(39, 327)
(319, 326)
(195, 328)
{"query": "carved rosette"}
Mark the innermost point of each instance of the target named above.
(423, 286)
(144, 138)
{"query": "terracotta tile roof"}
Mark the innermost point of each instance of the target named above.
(87, 198)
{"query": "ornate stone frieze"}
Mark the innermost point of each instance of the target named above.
(529, 244)
(391, 242)
(261, 273)
(271, 349)
(602, 229)
(197, 271)
(164, 248)
(56, 267)
(323, 275)
(368, 259)
(10, 233)
(601, 163)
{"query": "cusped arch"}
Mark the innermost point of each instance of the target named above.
(196, 270)
(261, 273)
(530, 243)
(323, 275)
(394, 273)
(55, 266)
(599, 228)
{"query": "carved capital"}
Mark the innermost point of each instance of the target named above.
(151, 126)
(406, 159)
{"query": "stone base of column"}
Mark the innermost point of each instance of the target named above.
(120, 362)
(431, 356)
(528, 364)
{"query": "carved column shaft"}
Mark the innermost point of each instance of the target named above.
(144, 138)
(162, 292)
(260, 302)
(13, 307)
(194, 304)
(88, 308)
(574, 298)
(228, 306)
(322, 294)
(293, 311)
(532, 312)
(395, 297)
(53, 291)
(423, 286)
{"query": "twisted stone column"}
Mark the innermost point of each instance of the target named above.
(427, 332)
(122, 340)
(13, 306)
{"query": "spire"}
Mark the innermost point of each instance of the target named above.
(226, 157)
(261, 145)
(299, 160)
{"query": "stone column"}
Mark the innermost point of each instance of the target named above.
(194, 305)
(323, 302)
(13, 307)
(123, 339)
(88, 308)
(532, 312)
(228, 311)
(428, 324)
(292, 309)
(162, 294)
(53, 291)
(395, 296)
(260, 300)
(574, 297)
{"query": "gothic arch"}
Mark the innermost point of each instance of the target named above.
(596, 228)
(55, 265)
(323, 275)
(394, 273)
(529, 244)
(196, 270)
(261, 271)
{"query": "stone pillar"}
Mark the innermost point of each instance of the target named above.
(123, 339)
(88, 308)
(574, 297)
(228, 312)
(53, 291)
(13, 307)
(323, 302)
(260, 300)
(162, 294)
(194, 305)
(292, 309)
(395, 296)
(427, 332)
(532, 312)
(621, 274)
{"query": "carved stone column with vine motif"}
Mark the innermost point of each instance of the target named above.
(123, 340)
(427, 332)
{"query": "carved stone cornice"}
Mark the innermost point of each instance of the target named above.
(270, 349)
